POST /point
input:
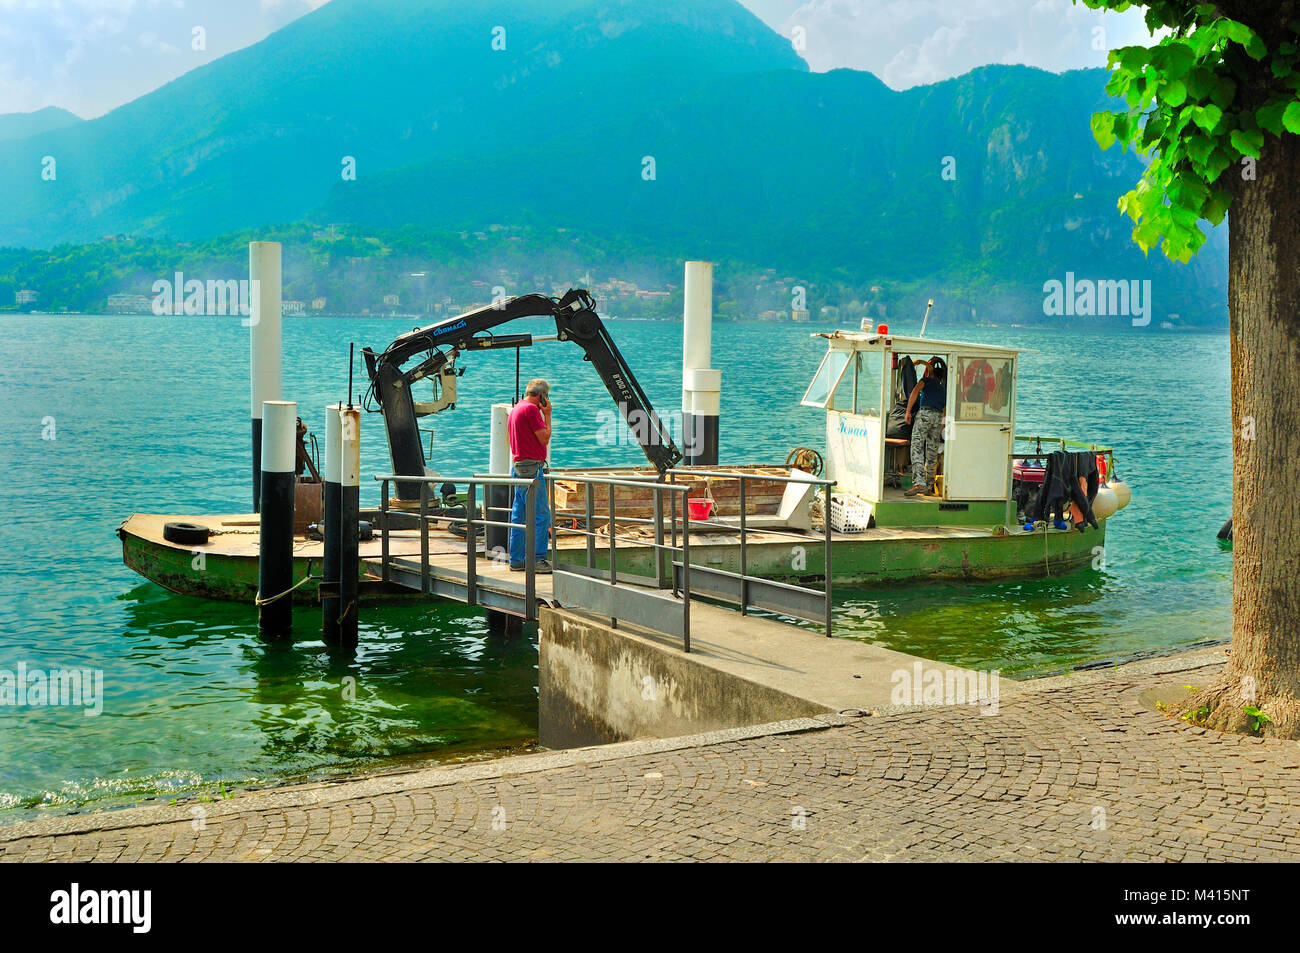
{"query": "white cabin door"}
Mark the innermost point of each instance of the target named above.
(978, 438)
(975, 461)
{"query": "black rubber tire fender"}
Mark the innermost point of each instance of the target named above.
(186, 534)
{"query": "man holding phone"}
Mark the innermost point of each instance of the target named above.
(530, 435)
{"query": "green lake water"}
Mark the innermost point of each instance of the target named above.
(151, 415)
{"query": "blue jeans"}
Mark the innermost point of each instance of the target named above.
(543, 520)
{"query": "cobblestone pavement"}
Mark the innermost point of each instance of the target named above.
(1076, 770)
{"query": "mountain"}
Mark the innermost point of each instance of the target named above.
(833, 174)
(260, 135)
(988, 185)
(22, 125)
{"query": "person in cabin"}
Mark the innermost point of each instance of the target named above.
(931, 393)
(530, 435)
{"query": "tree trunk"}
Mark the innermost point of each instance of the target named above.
(1263, 668)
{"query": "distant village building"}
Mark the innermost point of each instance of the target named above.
(771, 316)
(25, 296)
(293, 307)
(318, 304)
(799, 314)
(129, 304)
(392, 301)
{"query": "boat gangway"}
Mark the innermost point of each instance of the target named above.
(628, 568)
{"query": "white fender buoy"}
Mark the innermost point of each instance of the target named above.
(1122, 491)
(1106, 503)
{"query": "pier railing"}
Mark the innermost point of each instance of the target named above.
(471, 590)
(605, 589)
(748, 591)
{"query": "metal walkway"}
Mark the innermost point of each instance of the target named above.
(588, 576)
(495, 586)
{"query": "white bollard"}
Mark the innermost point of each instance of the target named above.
(264, 343)
(701, 385)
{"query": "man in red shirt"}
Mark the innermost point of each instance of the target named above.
(530, 435)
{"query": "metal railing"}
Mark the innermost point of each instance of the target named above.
(598, 589)
(472, 521)
(748, 591)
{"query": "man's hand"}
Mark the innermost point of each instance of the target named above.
(907, 417)
(546, 411)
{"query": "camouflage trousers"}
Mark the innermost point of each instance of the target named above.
(927, 428)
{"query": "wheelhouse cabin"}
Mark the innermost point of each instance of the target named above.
(861, 377)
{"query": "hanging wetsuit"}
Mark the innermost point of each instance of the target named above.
(1084, 466)
(896, 426)
(1051, 501)
(1061, 487)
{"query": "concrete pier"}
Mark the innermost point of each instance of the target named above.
(599, 684)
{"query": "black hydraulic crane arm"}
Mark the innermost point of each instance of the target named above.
(575, 320)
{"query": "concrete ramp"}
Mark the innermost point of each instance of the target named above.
(599, 684)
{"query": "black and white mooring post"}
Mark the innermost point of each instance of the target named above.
(275, 550)
(331, 515)
(348, 514)
(701, 384)
(264, 338)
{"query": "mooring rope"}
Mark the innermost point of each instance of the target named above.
(259, 601)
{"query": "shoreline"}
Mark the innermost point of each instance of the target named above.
(928, 783)
(502, 759)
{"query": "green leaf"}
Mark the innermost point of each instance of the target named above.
(1133, 58)
(1223, 92)
(1174, 93)
(1237, 32)
(1247, 142)
(1152, 132)
(1269, 116)
(1199, 148)
(1124, 128)
(1217, 207)
(1119, 83)
(1291, 117)
(1207, 117)
(1174, 59)
(1147, 236)
(1103, 129)
(1216, 165)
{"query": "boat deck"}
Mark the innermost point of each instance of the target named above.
(236, 535)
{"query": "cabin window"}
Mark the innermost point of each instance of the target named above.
(865, 398)
(829, 374)
(984, 388)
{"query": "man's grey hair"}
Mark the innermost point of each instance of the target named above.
(537, 387)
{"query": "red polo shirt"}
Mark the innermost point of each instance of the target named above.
(525, 420)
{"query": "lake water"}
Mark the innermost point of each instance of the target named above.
(151, 415)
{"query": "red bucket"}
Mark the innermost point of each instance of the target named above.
(700, 507)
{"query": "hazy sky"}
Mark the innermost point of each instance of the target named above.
(90, 56)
